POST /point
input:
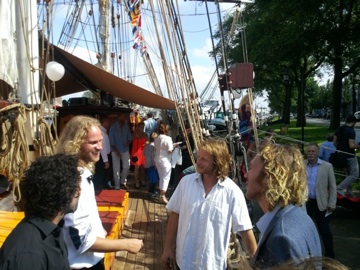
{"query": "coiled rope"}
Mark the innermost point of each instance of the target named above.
(14, 152)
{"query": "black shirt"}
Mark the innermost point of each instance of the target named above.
(35, 243)
(343, 134)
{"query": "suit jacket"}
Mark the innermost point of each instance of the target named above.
(291, 235)
(325, 187)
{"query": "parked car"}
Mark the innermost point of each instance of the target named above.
(209, 106)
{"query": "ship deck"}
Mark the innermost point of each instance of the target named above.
(147, 218)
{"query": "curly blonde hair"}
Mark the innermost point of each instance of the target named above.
(220, 153)
(286, 173)
(73, 135)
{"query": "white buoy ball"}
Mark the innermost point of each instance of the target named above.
(54, 71)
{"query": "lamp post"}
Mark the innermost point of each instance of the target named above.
(286, 107)
(302, 114)
(354, 79)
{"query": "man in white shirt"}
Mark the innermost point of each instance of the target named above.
(84, 234)
(205, 207)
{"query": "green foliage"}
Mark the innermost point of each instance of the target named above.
(312, 133)
(321, 98)
(298, 38)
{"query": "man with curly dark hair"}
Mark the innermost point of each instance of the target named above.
(50, 189)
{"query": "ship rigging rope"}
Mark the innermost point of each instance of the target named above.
(224, 44)
(14, 162)
(177, 79)
(5, 140)
(43, 142)
(186, 82)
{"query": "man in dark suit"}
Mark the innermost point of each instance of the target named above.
(277, 181)
(322, 195)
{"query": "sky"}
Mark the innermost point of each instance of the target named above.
(197, 39)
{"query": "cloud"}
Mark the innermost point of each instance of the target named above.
(203, 52)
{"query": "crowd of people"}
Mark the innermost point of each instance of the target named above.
(296, 195)
(145, 146)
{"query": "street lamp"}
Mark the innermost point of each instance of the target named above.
(286, 108)
(302, 112)
(286, 79)
(354, 79)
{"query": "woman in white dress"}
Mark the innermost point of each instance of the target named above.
(163, 149)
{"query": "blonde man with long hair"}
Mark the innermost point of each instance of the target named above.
(205, 207)
(84, 234)
(277, 181)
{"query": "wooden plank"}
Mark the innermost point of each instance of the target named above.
(144, 225)
(149, 243)
(146, 220)
(159, 234)
(121, 256)
(135, 234)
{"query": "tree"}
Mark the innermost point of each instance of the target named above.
(297, 38)
(343, 46)
(283, 38)
(321, 98)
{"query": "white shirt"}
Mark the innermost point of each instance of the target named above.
(105, 145)
(83, 227)
(163, 144)
(176, 157)
(205, 223)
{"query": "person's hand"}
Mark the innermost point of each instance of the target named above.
(329, 209)
(134, 245)
(168, 260)
(107, 165)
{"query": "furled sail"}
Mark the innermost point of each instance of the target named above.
(8, 67)
(19, 65)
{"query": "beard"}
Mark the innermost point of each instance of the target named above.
(72, 207)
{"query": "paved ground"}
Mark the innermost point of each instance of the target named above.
(345, 225)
